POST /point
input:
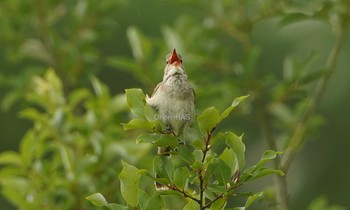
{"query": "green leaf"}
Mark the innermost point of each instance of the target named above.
(10, 157)
(208, 119)
(16, 188)
(149, 175)
(257, 171)
(114, 206)
(156, 203)
(264, 172)
(140, 46)
(191, 205)
(209, 193)
(78, 96)
(217, 137)
(31, 114)
(229, 157)
(161, 140)
(139, 123)
(163, 166)
(252, 198)
(217, 189)
(150, 113)
(53, 80)
(181, 177)
(66, 158)
(129, 184)
(97, 199)
(169, 192)
(198, 144)
(148, 138)
(167, 140)
(193, 178)
(267, 156)
(221, 171)
(100, 89)
(185, 154)
(198, 155)
(118, 103)
(234, 104)
(136, 101)
(218, 204)
(144, 199)
(10, 98)
(293, 18)
(28, 147)
(145, 172)
(237, 145)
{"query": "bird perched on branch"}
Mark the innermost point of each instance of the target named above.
(174, 98)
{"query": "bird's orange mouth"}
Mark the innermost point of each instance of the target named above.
(175, 60)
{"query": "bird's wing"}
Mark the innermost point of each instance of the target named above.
(156, 89)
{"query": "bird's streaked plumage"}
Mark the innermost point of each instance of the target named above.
(174, 101)
(174, 97)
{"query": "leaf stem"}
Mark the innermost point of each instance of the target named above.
(200, 171)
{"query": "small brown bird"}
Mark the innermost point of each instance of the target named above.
(174, 101)
(174, 97)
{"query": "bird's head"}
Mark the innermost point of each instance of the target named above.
(173, 65)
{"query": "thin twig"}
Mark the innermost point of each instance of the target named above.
(201, 186)
(175, 188)
(207, 145)
(200, 171)
(221, 195)
(212, 201)
(280, 181)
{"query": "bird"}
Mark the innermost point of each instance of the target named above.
(173, 100)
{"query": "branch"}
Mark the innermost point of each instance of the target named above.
(175, 188)
(212, 201)
(207, 141)
(280, 181)
(299, 134)
(200, 175)
(221, 195)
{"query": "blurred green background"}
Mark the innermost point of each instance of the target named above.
(230, 48)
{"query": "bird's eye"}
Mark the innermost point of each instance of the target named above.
(166, 61)
(181, 60)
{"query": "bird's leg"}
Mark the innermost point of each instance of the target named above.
(169, 128)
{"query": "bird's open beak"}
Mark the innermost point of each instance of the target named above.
(175, 60)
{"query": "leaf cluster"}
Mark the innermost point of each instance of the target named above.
(69, 151)
(203, 178)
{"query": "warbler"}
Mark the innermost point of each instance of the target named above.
(174, 101)
(174, 97)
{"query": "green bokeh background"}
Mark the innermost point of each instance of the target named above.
(320, 168)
